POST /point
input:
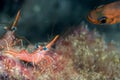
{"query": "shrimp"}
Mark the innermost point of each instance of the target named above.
(9, 39)
(105, 14)
(36, 56)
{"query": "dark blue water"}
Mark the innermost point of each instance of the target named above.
(42, 19)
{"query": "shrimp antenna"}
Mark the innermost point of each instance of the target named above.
(16, 20)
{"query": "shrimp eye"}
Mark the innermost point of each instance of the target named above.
(37, 45)
(45, 48)
(102, 20)
(14, 29)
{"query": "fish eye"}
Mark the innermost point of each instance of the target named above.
(102, 20)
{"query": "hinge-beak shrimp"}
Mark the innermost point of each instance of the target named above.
(9, 39)
(36, 56)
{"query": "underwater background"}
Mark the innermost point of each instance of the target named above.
(70, 47)
(42, 19)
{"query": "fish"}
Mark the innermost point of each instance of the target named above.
(105, 14)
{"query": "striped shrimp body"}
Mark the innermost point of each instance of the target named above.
(8, 39)
(36, 56)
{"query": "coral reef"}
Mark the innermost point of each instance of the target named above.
(91, 57)
(80, 55)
